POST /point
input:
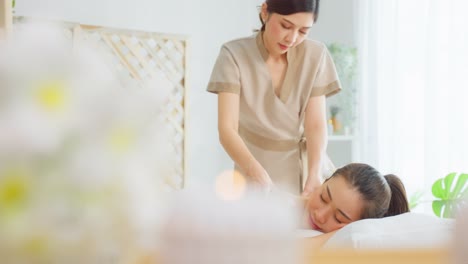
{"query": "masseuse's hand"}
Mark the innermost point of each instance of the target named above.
(312, 184)
(259, 176)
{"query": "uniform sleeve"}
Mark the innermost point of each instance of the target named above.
(326, 82)
(225, 76)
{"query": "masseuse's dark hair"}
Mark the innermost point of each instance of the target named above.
(383, 195)
(288, 7)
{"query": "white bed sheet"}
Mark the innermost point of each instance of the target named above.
(409, 230)
(304, 233)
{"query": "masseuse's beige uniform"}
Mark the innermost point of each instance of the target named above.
(270, 125)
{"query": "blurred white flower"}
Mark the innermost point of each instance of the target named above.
(83, 156)
(201, 228)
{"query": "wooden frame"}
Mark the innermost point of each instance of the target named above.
(381, 256)
(137, 57)
(181, 46)
(6, 18)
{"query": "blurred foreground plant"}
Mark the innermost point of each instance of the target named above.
(81, 157)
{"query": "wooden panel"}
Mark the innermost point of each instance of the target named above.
(136, 57)
(399, 256)
(413, 256)
(6, 17)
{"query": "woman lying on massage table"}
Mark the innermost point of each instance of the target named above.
(354, 192)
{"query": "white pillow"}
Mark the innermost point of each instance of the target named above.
(304, 233)
(409, 230)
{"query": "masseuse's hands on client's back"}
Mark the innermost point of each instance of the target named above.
(259, 176)
(312, 184)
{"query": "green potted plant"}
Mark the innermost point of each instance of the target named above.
(345, 59)
(334, 110)
(451, 193)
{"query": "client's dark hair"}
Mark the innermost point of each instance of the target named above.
(383, 195)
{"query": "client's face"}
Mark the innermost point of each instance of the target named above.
(332, 206)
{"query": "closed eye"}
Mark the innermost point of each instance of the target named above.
(339, 222)
(321, 198)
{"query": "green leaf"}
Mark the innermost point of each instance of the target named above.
(438, 189)
(437, 207)
(415, 199)
(451, 194)
(448, 180)
(449, 209)
(460, 184)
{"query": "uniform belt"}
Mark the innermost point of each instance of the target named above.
(270, 144)
(287, 145)
(280, 145)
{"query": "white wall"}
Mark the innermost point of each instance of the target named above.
(337, 22)
(208, 23)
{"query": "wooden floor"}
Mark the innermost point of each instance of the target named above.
(409, 256)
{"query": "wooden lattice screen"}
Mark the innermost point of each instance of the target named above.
(137, 56)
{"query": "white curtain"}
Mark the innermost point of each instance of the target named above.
(414, 88)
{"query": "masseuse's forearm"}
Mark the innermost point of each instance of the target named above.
(236, 148)
(316, 149)
(228, 126)
(315, 127)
